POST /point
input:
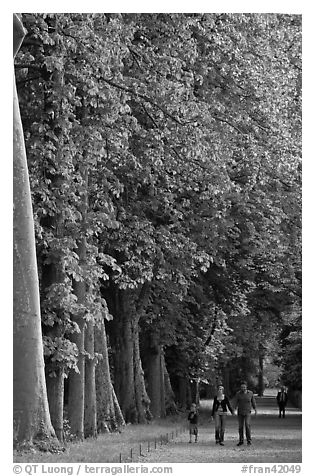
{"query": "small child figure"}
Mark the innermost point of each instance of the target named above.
(193, 422)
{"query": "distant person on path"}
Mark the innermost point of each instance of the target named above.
(221, 404)
(193, 422)
(244, 402)
(282, 400)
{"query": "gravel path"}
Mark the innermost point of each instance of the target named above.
(274, 440)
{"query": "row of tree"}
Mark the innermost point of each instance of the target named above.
(164, 158)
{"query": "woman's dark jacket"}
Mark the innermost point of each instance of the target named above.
(225, 404)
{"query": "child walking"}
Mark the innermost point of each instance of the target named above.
(193, 422)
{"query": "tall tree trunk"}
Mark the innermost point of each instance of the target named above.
(118, 413)
(109, 416)
(226, 378)
(163, 393)
(90, 424)
(54, 371)
(76, 396)
(30, 404)
(195, 391)
(55, 392)
(51, 272)
(124, 369)
(141, 396)
(170, 405)
(76, 380)
(184, 393)
(155, 379)
(261, 384)
(189, 399)
(128, 373)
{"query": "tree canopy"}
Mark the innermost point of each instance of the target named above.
(171, 143)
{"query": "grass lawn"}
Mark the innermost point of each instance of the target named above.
(108, 447)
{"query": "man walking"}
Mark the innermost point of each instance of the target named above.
(282, 400)
(244, 401)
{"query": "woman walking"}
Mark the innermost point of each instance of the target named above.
(220, 407)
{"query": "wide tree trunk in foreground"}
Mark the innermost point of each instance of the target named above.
(31, 417)
(109, 415)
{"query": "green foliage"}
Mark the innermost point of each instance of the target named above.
(172, 144)
(61, 353)
(290, 352)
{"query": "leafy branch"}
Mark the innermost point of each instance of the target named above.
(145, 98)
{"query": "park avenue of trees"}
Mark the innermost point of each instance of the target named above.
(157, 214)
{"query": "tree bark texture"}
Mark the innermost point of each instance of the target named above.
(55, 392)
(90, 424)
(170, 405)
(18, 34)
(261, 383)
(194, 385)
(76, 400)
(118, 413)
(189, 399)
(30, 404)
(77, 380)
(226, 380)
(128, 373)
(155, 379)
(142, 398)
(184, 393)
(109, 416)
(54, 372)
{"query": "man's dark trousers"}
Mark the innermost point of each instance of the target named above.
(281, 409)
(244, 420)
